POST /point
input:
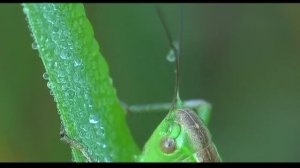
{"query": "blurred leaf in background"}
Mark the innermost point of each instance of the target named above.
(243, 58)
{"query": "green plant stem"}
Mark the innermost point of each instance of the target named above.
(79, 81)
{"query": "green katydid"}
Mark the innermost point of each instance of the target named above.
(182, 136)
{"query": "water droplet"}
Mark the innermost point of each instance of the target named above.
(34, 46)
(62, 80)
(93, 119)
(100, 131)
(55, 29)
(104, 146)
(107, 159)
(171, 56)
(45, 76)
(64, 55)
(82, 131)
(86, 96)
(49, 85)
(25, 10)
(77, 63)
(70, 93)
(55, 64)
(174, 130)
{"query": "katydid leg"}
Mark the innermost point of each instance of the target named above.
(201, 107)
(74, 144)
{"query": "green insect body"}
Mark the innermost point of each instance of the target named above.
(181, 137)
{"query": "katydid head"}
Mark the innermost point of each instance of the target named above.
(181, 137)
(169, 142)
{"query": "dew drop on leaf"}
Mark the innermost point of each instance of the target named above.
(77, 63)
(70, 94)
(34, 46)
(25, 10)
(63, 56)
(93, 119)
(45, 76)
(49, 85)
(104, 146)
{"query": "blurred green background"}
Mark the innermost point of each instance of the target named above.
(243, 58)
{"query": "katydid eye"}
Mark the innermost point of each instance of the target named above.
(168, 145)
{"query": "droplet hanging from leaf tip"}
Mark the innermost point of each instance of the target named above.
(34, 46)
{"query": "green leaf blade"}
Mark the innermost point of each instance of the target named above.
(79, 81)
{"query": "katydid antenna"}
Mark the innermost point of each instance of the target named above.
(176, 49)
